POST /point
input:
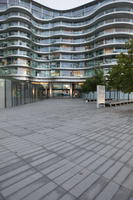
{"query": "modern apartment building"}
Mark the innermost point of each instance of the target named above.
(59, 49)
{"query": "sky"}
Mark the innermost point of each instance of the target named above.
(63, 4)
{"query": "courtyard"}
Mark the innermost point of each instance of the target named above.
(66, 149)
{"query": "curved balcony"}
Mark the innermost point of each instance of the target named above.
(116, 22)
(98, 6)
(52, 41)
(62, 24)
(69, 42)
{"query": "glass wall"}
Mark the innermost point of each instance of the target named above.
(20, 92)
(61, 89)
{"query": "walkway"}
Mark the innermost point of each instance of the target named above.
(66, 150)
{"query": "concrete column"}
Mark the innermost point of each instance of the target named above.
(8, 89)
(22, 93)
(50, 90)
(71, 90)
(46, 92)
(2, 93)
(36, 93)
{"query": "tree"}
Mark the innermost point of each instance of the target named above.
(121, 76)
(91, 83)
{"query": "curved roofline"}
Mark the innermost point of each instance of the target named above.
(69, 9)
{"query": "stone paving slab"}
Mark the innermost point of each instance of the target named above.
(65, 149)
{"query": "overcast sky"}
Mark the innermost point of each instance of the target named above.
(63, 4)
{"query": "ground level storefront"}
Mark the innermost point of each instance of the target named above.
(16, 92)
(58, 89)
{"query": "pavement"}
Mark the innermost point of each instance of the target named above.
(66, 149)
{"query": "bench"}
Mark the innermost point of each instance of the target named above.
(91, 100)
(118, 103)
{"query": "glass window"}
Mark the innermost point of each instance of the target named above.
(61, 86)
(44, 49)
(1, 53)
(3, 4)
(24, 15)
(23, 71)
(13, 2)
(55, 73)
(13, 23)
(12, 14)
(43, 73)
(25, 3)
(78, 73)
(108, 50)
(46, 14)
(124, 9)
(36, 10)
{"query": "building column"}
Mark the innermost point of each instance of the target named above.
(22, 92)
(2, 94)
(71, 90)
(8, 95)
(36, 93)
(46, 92)
(50, 90)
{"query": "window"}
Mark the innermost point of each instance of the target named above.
(78, 73)
(12, 14)
(46, 14)
(13, 23)
(13, 2)
(1, 53)
(36, 10)
(55, 73)
(3, 4)
(25, 3)
(23, 71)
(108, 50)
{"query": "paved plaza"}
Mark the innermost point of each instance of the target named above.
(66, 149)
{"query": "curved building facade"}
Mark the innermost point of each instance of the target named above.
(59, 49)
